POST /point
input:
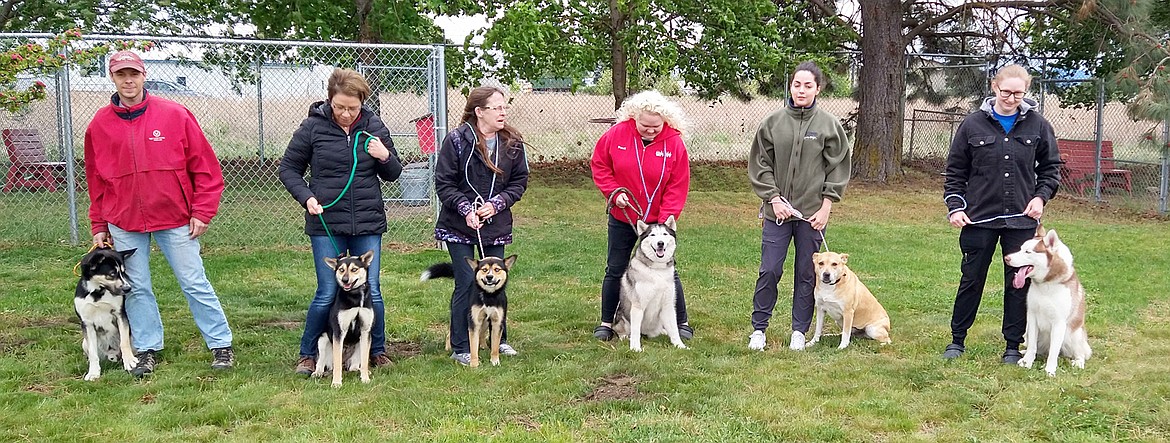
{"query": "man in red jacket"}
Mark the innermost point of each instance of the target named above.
(152, 173)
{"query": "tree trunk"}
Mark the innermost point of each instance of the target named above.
(366, 34)
(878, 147)
(618, 54)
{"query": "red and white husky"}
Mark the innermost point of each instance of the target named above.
(1056, 301)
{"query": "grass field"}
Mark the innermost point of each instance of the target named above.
(565, 386)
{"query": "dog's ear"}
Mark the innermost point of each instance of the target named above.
(331, 263)
(1050, 239)
(367, 258)
(1040, 230)
(640, 227)
(844, 258)
(471, 262)
(816, 256)
(127, 253)
(508, 262)
(671, 223)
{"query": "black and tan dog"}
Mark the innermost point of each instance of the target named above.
(351, 318)
(99, 302)
(489, 302)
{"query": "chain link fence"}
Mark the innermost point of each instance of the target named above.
(249, 97)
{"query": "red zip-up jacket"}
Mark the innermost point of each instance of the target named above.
(660, 185)
(149, 167)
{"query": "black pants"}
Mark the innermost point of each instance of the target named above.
(978, 246)
(461, 296)
(622, 239)
(773, 251)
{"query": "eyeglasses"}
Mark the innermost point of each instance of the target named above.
(351, 109)
(1017, 94)
(498, 108)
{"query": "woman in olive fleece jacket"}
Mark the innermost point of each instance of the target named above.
(798, 166)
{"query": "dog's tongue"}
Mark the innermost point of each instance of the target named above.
(1021, 276)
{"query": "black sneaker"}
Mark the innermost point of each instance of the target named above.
(146, 361)
(685, 332)
(953, 351)
(603, 333)
(1012, 356)
(223, 358)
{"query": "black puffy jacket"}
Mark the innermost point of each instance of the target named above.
(998, 173)
(461, 176)
(321, 146)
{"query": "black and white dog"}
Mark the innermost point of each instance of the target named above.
(99, 302)
(646, 306)
(351, 318)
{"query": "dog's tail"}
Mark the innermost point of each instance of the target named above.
(438, 270)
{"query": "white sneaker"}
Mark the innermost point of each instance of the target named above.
(757, 341)
(797, 343)
(507, 349)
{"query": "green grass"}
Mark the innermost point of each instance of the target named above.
(565, 386)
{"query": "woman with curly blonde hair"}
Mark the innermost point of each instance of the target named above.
(643, 153)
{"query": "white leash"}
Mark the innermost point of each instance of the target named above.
(964, 208)
(478, 203)
(780, 222)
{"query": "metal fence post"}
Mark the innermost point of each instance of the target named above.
(1100, 136)
(260, 104)
(65, 140)
(1165, 181)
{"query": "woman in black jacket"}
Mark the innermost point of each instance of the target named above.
(1002, 169)
(481, 172)
(326, 144)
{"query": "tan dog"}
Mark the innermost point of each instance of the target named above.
(840, 294)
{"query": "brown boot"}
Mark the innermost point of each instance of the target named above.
(380, 360)
(306, 366)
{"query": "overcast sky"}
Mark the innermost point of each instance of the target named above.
(457, 28)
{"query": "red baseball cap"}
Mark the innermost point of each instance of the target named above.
(126, 59)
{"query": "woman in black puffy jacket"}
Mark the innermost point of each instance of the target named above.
(325, 145)
(480, 173)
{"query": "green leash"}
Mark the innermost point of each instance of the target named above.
(352, 171)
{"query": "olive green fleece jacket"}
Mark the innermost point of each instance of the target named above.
(802, 154)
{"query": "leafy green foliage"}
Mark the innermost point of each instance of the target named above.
(715, 47)
(39, 59)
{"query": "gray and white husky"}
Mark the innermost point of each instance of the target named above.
(646, 306)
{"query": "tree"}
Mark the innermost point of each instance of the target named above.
(715, 46)
(1121, 29)
(120, 17)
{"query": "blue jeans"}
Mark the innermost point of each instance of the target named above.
(317, 319)
(461, 296)
(142, 307)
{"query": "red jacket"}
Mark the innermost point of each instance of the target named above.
(149, 168)
(660, 185)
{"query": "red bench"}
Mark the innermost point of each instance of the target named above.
(1080, 166)
(30, 167)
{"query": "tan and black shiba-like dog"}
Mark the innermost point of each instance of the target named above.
(351, 318)
(99, 302)
(841, 295)
(489, 302)
(1056, 301)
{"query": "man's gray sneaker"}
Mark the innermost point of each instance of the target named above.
(223, 358)
(146, 362)
(1011, 356)
(953, 351)
(507, 349)
(463, 358)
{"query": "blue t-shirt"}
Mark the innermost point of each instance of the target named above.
(1007, 121)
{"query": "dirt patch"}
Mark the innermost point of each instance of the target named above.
(12, 345)
(283, 324)
(398, 350)
(614, 387)
(39, 389)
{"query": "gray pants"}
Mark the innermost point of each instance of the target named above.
(773, 250)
